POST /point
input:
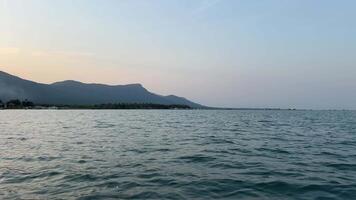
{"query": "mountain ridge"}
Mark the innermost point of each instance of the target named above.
(73, 92)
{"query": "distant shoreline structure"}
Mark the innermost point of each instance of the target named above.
(28, 105)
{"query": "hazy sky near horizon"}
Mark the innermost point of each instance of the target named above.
(235, 53)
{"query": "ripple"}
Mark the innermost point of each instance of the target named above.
(342, 166)
(177, 155)
(196, 158)
(81, 178)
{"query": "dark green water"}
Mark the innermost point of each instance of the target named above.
(149, 154)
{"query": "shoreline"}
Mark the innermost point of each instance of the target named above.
(216, 109)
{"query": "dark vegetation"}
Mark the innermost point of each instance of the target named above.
(18, 104)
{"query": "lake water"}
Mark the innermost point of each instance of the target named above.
(177, 154)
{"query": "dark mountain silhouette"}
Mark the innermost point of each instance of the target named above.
(77, 93)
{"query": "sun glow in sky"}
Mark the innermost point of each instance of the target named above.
(266, 53)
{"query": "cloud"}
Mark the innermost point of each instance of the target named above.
(40, 53)
(9, 50)
(60, 54)
(205, 5)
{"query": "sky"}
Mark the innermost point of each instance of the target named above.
(229, 53)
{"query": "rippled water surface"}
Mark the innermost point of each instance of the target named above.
(168, 154)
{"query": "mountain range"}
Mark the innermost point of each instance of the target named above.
(76, 93)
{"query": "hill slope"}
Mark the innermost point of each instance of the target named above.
(77, 93)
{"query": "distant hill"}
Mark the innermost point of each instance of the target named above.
(77, 93)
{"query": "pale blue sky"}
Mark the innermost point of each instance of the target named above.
(235, 53)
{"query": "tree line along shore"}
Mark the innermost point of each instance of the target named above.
(26, 104)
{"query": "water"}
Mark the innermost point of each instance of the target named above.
(168, 154)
